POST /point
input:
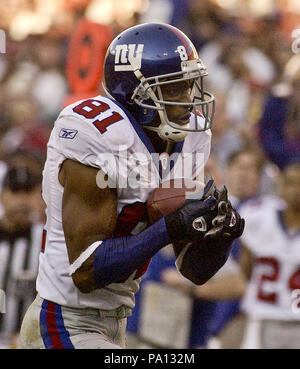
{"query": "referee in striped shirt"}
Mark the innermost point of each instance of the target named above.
(20, 241)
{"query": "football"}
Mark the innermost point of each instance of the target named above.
(171, 196)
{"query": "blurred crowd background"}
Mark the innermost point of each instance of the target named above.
(250, 48)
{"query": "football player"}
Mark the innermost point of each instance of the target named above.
(100, 169)
(271, 259)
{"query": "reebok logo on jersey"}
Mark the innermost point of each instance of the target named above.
(67, 133)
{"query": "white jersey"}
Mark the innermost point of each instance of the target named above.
(276, 261)
(99, 133)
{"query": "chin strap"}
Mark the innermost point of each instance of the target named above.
(168, 133)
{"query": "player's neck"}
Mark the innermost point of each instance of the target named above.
(291, 218)
(158, 144)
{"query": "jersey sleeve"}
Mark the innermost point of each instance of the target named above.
(91, 139)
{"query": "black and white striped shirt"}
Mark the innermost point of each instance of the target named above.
(19, 258)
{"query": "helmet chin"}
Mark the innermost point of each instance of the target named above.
(168, 133)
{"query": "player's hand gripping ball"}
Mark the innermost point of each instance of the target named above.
(193, 209)
(171, 196)
(188, 208)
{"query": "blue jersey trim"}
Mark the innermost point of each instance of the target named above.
(146, 140)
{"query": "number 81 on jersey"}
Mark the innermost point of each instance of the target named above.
(92, 108)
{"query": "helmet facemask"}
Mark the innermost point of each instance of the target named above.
(149, 95)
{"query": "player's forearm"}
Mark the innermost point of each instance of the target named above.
(117, 258)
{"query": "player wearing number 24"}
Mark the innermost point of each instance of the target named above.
(98, 241)
(271, 260)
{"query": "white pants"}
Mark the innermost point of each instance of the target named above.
(52, 326)
(271, 334)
